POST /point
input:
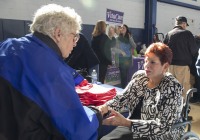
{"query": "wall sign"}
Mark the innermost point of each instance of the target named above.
(114, 16)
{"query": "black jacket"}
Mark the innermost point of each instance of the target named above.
(197, 39)
(193, 69)
(82, 56)
(21, 118)
(183, 46)
(101, 45)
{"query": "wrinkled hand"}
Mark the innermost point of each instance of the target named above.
(103, 109)
(116, 119)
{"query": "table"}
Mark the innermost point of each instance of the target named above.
(119, 90)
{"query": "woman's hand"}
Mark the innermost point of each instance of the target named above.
(116, 119)
(103, 109)
(123, 53)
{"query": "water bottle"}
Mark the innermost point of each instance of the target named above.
(113, 56)
(94, 76)
(113, 60)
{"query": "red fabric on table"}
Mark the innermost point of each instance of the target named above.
(88, 97)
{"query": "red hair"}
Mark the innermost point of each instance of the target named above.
(162, 51)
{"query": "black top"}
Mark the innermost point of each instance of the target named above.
(137, 111)
(101, 45)
(193, 69)
(183, 46)
(82, 56)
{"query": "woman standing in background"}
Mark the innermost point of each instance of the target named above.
(101, 46)
(111, 35)
(111, 32)
(125, 44)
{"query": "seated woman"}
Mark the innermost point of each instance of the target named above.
(157, 94)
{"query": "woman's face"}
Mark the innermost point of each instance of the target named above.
(65, 42)
(153, 67)
(123, 30)
(118, 30)
(111, 31)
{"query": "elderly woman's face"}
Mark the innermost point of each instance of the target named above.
(153, 67)
(111, 31)
(66, 45)
(67, 42)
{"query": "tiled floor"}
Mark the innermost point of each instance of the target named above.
(195, 113)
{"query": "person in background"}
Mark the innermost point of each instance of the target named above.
(111, 32)
(194, 76)
(117, 30)
(153, 98)
(125, 44)
(102, 47)
(38, 97)
(111, 36)
(82, 57)
(183, 46)
(156, 38)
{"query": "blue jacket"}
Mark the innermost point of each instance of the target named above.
(39, 74)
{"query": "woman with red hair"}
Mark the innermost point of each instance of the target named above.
(153, 98)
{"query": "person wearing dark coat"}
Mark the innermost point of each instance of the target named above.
(102, 47)
(183, 46)
(82, 57)
(193, 71)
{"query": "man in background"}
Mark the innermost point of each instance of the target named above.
(183, 46)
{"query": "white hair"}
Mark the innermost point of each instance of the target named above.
(52, 16)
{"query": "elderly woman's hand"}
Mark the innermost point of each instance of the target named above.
(116, 119)
(103, 109)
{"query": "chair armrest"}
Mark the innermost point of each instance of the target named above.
(181, 124)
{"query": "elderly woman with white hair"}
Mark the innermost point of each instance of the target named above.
(38, 98)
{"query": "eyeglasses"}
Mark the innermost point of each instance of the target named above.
(76, 37)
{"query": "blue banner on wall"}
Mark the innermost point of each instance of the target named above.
(114, 16)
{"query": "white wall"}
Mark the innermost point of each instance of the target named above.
(192, 2)
(166, 14)
(89, 10)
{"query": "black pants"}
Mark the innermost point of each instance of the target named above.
(197, 85)
(124, 66)
(102, 72)
(121, 133)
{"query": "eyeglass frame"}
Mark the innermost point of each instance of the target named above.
(76, 37)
